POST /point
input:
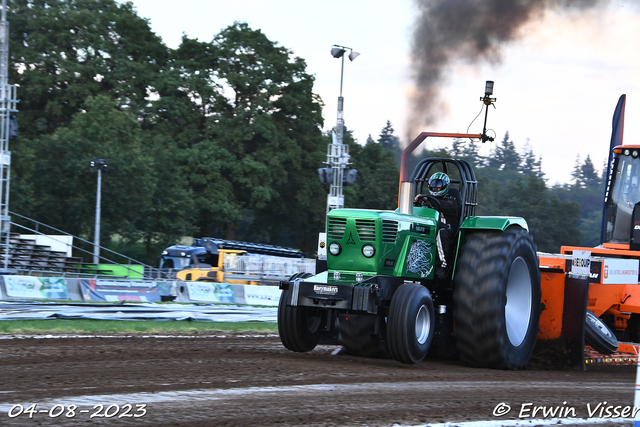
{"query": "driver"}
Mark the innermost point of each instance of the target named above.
(449, 214)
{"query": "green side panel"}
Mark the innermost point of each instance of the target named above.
(417, 258)
(493, 222)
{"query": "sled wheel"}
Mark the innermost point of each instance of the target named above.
(598, 335)
(497, 299)
(410, 324)
(299, 327)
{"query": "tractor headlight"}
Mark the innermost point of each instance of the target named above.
(627, 152)
(334, 248)
(634, 154)
(368, 251)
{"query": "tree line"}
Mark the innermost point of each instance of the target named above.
(513, 183)
(218, 138)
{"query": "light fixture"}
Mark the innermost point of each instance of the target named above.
(337, 52)
(353, 55)
(488, 88)
(100, 164)
(368, 251)
(334, 248)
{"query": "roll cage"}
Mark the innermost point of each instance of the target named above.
(464, 185)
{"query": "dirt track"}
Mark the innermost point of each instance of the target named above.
(239, 380)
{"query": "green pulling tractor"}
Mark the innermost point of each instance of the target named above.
(381, 296)
(385, 295)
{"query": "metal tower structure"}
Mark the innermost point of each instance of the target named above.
(337, 152)
(8, 104)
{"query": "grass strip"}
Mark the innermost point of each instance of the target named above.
(82, 326)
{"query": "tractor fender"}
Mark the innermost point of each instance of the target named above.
(500, 223)
(478, 223)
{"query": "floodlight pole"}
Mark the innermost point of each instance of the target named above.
(8, 105)
(338, 152)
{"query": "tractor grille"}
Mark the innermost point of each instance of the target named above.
(389, 231)
(366, 229)
(336, 228)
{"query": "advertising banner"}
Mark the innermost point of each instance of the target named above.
(123, 290)
(262, 295)
(617, 271)
(36, 287)
(211, 292)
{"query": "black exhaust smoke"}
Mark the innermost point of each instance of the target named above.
(472, 31)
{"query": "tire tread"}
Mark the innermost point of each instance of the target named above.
(479, 297)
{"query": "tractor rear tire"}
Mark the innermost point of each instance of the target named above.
(299, 327)
(410, 323)
(497, 299)
(358, 335)
(598, 335)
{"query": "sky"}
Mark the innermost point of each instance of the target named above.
(556, 85)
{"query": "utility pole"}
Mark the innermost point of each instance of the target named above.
(8, 104)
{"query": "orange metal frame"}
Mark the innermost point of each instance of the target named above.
(618, 300)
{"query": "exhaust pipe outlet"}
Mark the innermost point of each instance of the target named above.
(406, 197)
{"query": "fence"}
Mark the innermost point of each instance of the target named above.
(268, 268)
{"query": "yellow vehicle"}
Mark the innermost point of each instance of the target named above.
(216, 273)
(230, 261)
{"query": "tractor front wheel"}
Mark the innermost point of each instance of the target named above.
(410, 323)
(497, 299)
(299, 327)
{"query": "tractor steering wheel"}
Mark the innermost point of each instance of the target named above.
(431, 201)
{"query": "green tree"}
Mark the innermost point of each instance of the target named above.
(390, 141)
(169, 213)
(188, 93)
(505, 155)
(64, 51)
(265, 121)
(467, 150)
(587, 190)
(387, 139)
(585, 174)
(531, 165)
(552, 222)
(63, 187)
(378, 178)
